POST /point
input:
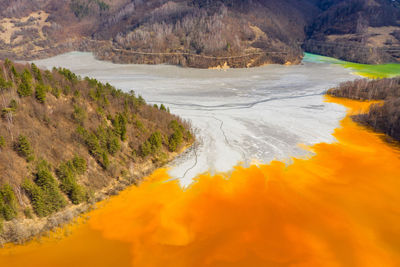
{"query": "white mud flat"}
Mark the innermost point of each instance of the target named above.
(240, 115)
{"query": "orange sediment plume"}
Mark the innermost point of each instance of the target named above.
(339, 207)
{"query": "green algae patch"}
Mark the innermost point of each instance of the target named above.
(370, 71)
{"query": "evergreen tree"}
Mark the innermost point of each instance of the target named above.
(4, 85)
(37, 73)
(8, 203)
(40, 93)
(79, 164)
(113, 145)
(36, 195)
(176, 138)
(155, 140)
(2, 142)
(25, 87)
(14, 72)
(119, 124)
(23, 148)
(145, 149)
(106, 161)
(44, 193)
(66, 173)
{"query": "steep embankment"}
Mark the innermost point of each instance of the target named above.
(66, 142)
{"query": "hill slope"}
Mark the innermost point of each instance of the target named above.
(202, 33)
(365, 31)
(196, 33)
(66, 141)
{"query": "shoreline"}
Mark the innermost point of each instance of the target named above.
(263, 181)
(105, 51)
(21, 231)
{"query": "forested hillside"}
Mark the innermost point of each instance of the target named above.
(202, 33)
(383, 117)
(66, 140)
(195, 33)
(364, 31)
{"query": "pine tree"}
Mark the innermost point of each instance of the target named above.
(2, 142)
(24, 149)
(145, 149)
(40, 93)
(4, 85)
(155, 140)
(8, 203)
(25, 87)
(43, 192)
(66, 173)
(119, 124)
(36, 73)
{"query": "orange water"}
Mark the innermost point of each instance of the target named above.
(340, 207)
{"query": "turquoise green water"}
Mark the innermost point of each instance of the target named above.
(366, 70)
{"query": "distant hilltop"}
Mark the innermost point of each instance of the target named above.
(203, 33)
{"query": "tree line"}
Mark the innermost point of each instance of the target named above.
(67, 137)
(384, 117)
